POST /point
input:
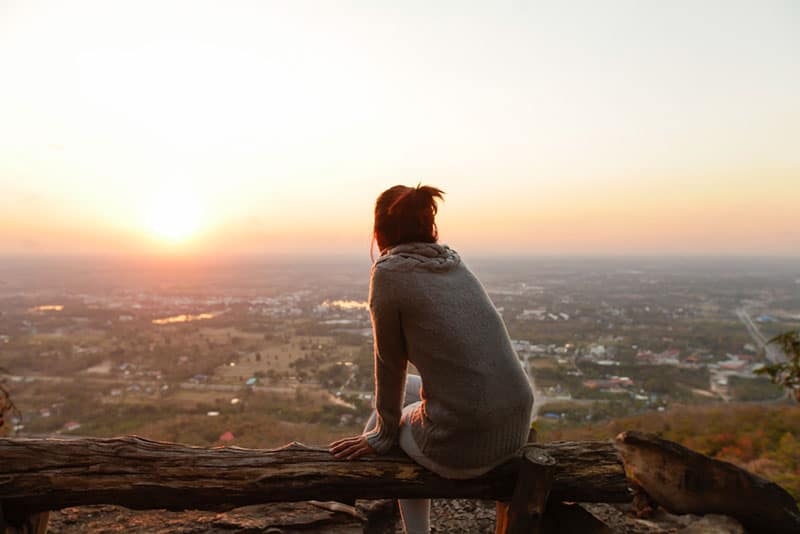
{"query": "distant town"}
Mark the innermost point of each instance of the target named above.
(259, 353)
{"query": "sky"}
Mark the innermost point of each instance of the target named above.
(257, 127)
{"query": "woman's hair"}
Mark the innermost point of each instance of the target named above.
(405, 215)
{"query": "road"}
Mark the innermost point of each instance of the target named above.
(773, 353)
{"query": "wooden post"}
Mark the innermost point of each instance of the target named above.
(501, 507)
(529, 500)
(501, 523)
(33, 524)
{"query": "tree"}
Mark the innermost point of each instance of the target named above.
(786, 374)
(7, 407)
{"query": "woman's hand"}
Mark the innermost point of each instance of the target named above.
(351, 448)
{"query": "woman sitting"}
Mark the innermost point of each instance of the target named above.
(470, 408)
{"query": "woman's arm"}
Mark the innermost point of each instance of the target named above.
(390, 370)
(390, 359)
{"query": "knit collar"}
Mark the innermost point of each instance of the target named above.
(431, 257)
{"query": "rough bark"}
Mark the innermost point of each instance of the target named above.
(48, 474)
(531, 491)
(684, 481)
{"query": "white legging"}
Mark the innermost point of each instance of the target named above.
(416, 512)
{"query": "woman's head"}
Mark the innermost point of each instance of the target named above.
(405, 215)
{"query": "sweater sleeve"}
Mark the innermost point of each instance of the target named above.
(390, 360)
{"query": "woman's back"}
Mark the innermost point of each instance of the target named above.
(477, 400)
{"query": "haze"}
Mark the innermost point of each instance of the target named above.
(259, 127)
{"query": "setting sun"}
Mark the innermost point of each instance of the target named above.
(173, 215)
(281, 122)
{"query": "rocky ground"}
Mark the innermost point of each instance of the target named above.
(456, 516)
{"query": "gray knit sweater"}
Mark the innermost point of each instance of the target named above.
(428, 308)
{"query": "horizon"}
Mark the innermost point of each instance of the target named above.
(359, 256)
(185, 130)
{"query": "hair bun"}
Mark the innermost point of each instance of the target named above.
(427, 195)
(417, 200)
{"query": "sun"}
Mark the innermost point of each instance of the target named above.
(174, 215)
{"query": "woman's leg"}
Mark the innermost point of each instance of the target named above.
(413, 387)
(414, 512)
(416, 515)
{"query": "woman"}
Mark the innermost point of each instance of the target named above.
(472, 409)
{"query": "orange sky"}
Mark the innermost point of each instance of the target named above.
(235, 127)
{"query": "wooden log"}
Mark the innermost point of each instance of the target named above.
(684, 481)
(529, 500)
(49, 474)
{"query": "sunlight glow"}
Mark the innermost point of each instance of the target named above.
(346, 304)
(185, 318)
(606, 129)
(174, 214)
(48, 307)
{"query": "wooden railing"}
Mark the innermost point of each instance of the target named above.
(37, 475)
